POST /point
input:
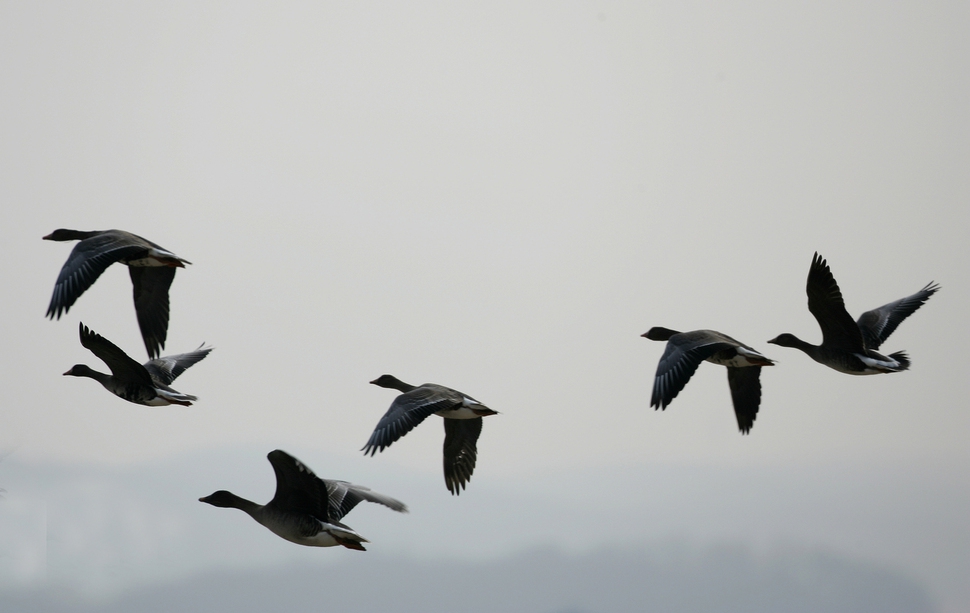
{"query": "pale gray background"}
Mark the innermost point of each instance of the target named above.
(498, 197)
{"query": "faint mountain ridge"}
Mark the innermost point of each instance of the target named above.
(673, 576)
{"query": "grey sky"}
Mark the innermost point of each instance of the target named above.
(499, 198)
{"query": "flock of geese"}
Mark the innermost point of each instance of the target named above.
(847, 346)
(306, 509)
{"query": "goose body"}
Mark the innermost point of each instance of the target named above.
(146, 383)
(684, 353)
(850, 346)
(151, 267)
(463, 424)
(306, 509)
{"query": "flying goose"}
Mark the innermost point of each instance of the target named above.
(152, 270)
(684, 353)
(306, 509)
(463, 424)
(850, 346)
(146, 384)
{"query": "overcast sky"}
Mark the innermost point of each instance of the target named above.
(500, 198)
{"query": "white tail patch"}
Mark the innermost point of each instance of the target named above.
(874, 366)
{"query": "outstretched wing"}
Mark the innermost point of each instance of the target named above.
(167, 368)
(745, 384)
(344, 496)
(297, 488)
(876, 325)
(150, 287)
(407, 411)
(460, 451)
(826, 304)
(122, 366)
(87, 261)
(680, 359)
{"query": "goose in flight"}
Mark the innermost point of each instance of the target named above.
(152, 270)
(684, 353)
(306, 509)
(850, 346)
(146, 383)
(463, 424)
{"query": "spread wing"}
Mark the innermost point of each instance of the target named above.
(166, 369)
(87, 261)
(407, 411)
(745, 384)
(150, 286)
(344, 496)
(297, 488)
(460, 451)
(680, 359)
(876, 325)
(826, 304)
(122, 367)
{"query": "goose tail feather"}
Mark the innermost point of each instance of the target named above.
(902, 358)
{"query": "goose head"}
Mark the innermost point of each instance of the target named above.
(223, 499)
(787, 340)
(63, 234)
(659, 333)
(392, 382)
(81, 370)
